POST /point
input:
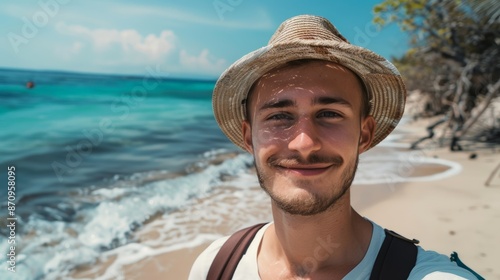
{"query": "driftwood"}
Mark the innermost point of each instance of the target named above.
(492, 92)
(430, 130)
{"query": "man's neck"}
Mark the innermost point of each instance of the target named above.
(329, 243)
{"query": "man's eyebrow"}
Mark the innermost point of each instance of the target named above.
(273, 104)
(326, 100)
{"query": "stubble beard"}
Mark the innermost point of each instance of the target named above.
(316, 203)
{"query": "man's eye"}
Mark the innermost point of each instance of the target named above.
(280, 116)
(329, 114)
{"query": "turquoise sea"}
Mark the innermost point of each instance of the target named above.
(72, 135)
(98, 157)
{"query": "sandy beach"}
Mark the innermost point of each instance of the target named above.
(458, 213)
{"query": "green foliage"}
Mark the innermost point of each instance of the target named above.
(454, 55)
(452, 26)
(459, 31)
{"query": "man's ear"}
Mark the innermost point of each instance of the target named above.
(247, 136)
(367, 133)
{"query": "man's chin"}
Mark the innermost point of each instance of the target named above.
(302, 210)
(302, 205)
(302, 199)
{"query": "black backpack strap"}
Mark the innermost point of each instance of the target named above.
(229, 255)
(396, 258)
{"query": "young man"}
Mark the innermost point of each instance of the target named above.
(305, 107)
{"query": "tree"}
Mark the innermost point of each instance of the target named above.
(454, 56)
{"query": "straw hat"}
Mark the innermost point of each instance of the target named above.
(309, 37)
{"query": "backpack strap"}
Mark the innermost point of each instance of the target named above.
(396, 258)
(229, 255)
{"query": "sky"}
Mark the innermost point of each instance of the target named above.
(189, 38)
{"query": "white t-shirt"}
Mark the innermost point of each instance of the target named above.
(430, 265)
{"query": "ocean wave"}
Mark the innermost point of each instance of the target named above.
(391, 166)
(111, 216)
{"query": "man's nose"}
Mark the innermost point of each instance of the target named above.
(306, 139)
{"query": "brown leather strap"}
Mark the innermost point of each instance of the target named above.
(230, 253)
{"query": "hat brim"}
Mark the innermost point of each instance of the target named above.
(383, 82)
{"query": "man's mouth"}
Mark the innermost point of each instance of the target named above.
(305, 170)
(312, 166)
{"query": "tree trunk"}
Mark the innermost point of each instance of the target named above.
(492, 93)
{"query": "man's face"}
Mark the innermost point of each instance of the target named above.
(306, 132)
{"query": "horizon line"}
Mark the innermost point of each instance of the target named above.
(164, 77)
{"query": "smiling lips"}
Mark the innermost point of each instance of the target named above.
(305, 170)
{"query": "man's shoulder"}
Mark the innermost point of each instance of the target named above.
(202, 264)
(434, 266)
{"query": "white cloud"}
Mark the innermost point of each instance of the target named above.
(76, 47)
(151, 46)
(69, 52)
(204, 62)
